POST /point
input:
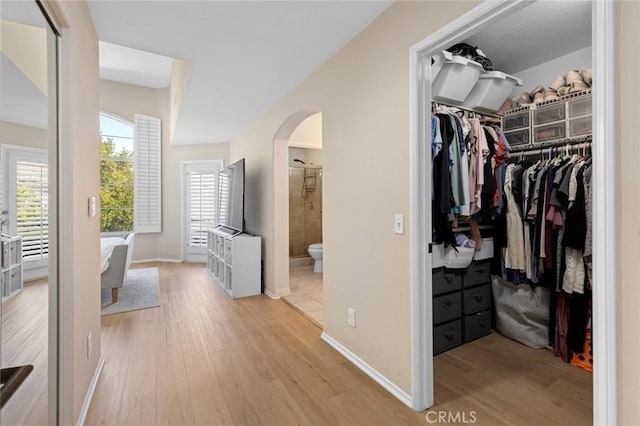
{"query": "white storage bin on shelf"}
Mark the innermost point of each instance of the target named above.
(458, 257)
(491, 90)
(453, 77)
(486, 250)
(437, 260)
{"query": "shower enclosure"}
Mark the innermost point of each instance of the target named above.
(305, 208)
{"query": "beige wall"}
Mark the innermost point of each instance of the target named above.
(79, 255)
(17, 134)
(125, 100)
(309, 132)
(179, 77)
(628, 175)
(363, 93)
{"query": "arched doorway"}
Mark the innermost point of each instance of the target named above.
(281, 198)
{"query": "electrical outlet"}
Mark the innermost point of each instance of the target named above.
(89, 345)
(351, 317)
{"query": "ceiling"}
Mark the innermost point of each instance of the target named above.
(127, 65)
(536, 34)
(244, 55)
(21, 101)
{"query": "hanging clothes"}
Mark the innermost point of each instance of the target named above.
(476, 169)
(514, 257)
(548, 228)
(464, 172)
(442, 185)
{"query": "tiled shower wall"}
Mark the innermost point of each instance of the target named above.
(305, 215)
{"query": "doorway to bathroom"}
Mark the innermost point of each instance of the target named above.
(305, 219)
(305, 232)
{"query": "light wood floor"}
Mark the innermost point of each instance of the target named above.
(25, 341)
(507, 383)
(202, 358)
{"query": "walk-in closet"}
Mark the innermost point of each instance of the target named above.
(511, 207)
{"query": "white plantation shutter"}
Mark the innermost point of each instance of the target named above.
(201, 205)
(147, 195)
(32, 203)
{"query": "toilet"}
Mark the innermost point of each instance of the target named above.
(315, 251)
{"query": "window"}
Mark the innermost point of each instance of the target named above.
(130, 174)
(25, 178)
(116, 175)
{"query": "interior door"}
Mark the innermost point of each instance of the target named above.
(28, 158)
(200, 180)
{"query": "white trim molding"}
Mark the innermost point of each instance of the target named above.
(282, 292)
(605, 150)
(271, 295)
(157, 259)
(380, 379)
(89, 395)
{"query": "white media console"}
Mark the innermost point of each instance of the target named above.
(233, 260)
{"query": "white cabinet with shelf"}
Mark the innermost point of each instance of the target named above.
(11, 279)
(234, 262)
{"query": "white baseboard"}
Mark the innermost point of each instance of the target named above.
(157, 259)
(279, 294)
(89, 396)
(391, 387)
(271, 295)
(31, 274)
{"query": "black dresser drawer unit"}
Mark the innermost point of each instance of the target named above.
(461, 305)
(446, 280)
(447, 307)
(476, 299)
(447, 336)
(477, 325)
(477, 273)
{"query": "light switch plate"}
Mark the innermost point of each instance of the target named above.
(92, 206)
(398, 224)
(351, 317)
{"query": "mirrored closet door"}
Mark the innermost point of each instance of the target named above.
(28, 157)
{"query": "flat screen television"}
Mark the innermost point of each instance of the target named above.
(230, 208)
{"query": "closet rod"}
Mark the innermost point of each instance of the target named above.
(545, 151)
(466, 227)
(552, 144)
(483, 114)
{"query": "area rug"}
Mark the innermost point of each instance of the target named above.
(140, 291)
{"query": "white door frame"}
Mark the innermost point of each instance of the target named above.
(604, 203)
(184, 165)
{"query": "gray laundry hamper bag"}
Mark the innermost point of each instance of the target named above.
(522, 314)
